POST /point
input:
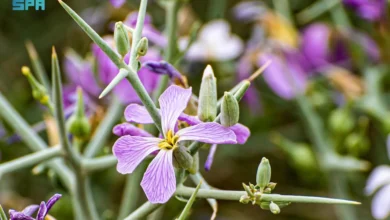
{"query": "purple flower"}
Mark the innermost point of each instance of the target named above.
(149, 31)
(285, 76)
(164, 68)
(159, 181)
(322, 46)
(372, 10)
(107, 70)
(249, 11)
(43, 210)
(117, 3)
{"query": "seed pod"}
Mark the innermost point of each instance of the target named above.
(263, 177)
(207, 107)
(121, 38)
(230, 111)
(78, 124)
(274, 208)
(142, 47)
(183, 157)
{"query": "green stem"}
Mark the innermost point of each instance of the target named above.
(30, 160)
(283, 8)
(157, 214)
(315, 10)
(103, 132)
(339, 16)
(98, 164)
(197, 178)
(131, 192)
(143, 211)
(236, 195)
(172, 8)
(32, 140)
(2, 214)
(216, 9)
(133, 65)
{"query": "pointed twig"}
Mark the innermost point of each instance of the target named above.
(30, 160)
(198, 178)
(187, 208)
(3, 216)
(37, 65)
(117, 79)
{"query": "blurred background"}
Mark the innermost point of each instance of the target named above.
(328, 55)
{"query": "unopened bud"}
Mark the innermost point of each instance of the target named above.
(263, 177)
(207, 107)
(271, 185)
(142, 47)
(357, 144)
(39, 92)
(265, 205)
(121, 38)
(341, 121)
(247, 189)
(245, 199)
(230, 111)
(78, 124)
(183, 158)
(274, 208)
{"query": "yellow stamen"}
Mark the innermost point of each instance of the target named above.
(169, 142)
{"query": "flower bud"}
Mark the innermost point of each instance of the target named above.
(230, 111)
(341, 121)
(183, 158)
(247, 189)
(245, 199)
(39, 92)
(142, 47)
(207, 107)
(263, 177)
(357, 144)
(265, 205)
(121, 38)
(274, 208)
(78, 124)
(271, 185)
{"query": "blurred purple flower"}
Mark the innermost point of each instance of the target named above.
(285, 75)
(107, 70)
(149, 31)
(117, 3)
(380, 179)
(159, 181)
(43, 210)
(249, 11)
(210, 157)
(164, 68)
(214, 43)
(372, 10)
(322, 46)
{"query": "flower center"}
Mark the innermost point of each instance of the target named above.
(170, 141)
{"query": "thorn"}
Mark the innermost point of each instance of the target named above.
(259, 71)
(121, 75)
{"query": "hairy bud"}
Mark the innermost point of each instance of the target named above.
(121, 38)
(207, 109)
(230, 111)
(263, 177)
(142, 47)
(78, 124)
(274, 208)
(183, 158)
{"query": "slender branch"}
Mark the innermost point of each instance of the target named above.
(143, 211)
(100, 163)
(316, 9)
(236, 195)
(197, 178)
(30, 160)
(32, 140)
(131, 192)
(133, 67)
(103, 132)
(172, 8)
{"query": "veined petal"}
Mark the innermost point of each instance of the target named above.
(129, 129)
(242, 133)
(380, 206)
(209, 132)
(159, 181)
(379, 177)
(131, 150)
(42, 211)
(137, 114)
(172, 103)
